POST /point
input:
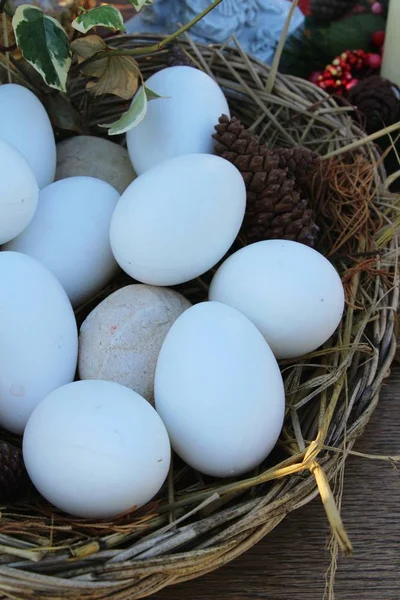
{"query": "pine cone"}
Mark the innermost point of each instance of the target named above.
(275, 208)
(299, 161)
(378, 101)
(242, 149)
(13, 476)
(330, 10)
(280, 213)
(178, 58)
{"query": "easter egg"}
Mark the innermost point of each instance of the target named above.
(181, 122)
(291, 292)
(121, 338)
(92, 156)
(38, 341)
(178, 219)
(96, 449)
(24, 123)
(69, 234)
(219, 391)
(19, 192)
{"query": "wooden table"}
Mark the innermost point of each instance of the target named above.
(290, 563)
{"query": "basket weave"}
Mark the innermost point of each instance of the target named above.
(196, 525)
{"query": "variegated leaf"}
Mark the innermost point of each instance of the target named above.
(44, 44)
(135, 114)
(139, 4)
(101, 16)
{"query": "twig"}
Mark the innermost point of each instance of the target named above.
(5, 49)
(155, 47)
(278, 53)
(363, 141)
(5, 35)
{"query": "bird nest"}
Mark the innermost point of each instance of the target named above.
(197, 524)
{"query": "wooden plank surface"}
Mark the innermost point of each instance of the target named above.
(290, 563)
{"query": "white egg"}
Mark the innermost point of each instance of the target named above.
(177, 220)
(96, 449)
(19, 192)
(38, 341)
(182, 122)
(291, 292)
(219, 390)
(70, 235)
(121, 338)
(24, 123)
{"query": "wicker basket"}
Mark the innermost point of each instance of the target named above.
(196, 525)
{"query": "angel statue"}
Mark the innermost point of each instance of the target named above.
(257, 24)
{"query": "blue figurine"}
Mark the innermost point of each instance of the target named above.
(257, 24)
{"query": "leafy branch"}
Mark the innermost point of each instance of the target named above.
(47, 47)
(155, 47)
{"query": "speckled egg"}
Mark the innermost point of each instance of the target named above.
(121, 338)
(94, 157)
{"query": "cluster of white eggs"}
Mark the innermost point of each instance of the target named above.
(97, 447)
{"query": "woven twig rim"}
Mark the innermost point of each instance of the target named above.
(187, 534)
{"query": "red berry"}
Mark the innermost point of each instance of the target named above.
(377, 8)
(374, 61)
(378, 38)
(351, 84)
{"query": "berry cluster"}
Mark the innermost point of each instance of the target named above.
(346, 71)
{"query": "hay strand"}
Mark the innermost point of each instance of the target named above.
(278, 53)
(331, 509)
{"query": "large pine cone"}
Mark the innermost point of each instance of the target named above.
(241, 148)
(330, 10)
(275, 207)
(13, 477)
(377, 99)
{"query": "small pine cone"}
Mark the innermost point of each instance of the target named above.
(377, 99)
(330, 10)
(178, 58)
(299, 161)
(13, 476)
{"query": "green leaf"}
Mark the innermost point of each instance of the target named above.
(135, 114)
(139, 4)
(101, 16)
(132, 117)
(151, 95)
(44, 44)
